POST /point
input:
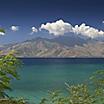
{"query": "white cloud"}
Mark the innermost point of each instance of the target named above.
(103, 21)
(34, 30)
(2, 33)
(87, 31)
(14, 28)
(57, 28)
(60, 28)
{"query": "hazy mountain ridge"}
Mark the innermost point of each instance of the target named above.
(58, 47)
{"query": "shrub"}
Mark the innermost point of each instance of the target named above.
(8, 70)
(81, 93)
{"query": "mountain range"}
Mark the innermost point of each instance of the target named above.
(63, 46)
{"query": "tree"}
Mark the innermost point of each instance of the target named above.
(80, 94)
(8, 71)
(54, 97)
(77, 94)
(89, 93)
(97, 81)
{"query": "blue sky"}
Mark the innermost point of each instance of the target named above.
(28, 13)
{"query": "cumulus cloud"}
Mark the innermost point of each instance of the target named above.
(87, 31)
(14, 28)
(60, 28)
(103, 21)
(2, 33)
(57, 28)
(34, 30)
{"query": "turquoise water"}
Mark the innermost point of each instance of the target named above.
(40, 75)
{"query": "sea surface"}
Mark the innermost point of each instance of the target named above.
(40, 75)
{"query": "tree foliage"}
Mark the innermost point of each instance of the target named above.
(54, 97)
(8, 70)
(97, 81)
(12, 101)
(81, 93)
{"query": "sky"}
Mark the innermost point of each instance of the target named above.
(26, 19)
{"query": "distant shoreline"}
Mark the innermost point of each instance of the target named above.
(63, 57)
(55, 60)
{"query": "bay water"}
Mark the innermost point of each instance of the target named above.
(39, 75)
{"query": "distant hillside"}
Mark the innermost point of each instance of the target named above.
(57, 47)
(70, 40)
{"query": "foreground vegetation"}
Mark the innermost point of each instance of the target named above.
(8, 71)
(87, 93)
(12, 101)
(91, 92)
